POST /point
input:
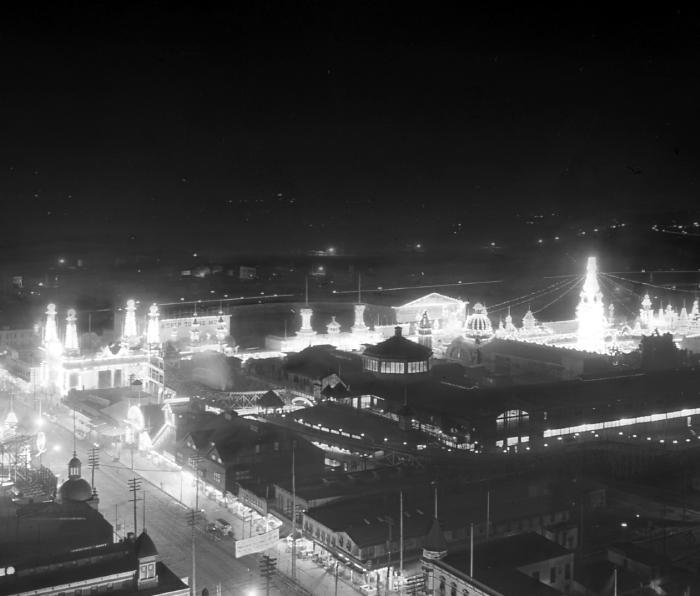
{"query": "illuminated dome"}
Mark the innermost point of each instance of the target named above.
(478, 323)
(333, 327)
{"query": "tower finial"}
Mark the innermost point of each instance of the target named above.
(306, 290)
(359, 287)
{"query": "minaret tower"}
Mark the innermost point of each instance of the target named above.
(221, 329)
(194, 330)
(590, 312)
(425, 331)
(646, 314)
(306, 314)
(71, 343)
(51, 342)
(153, 329)
(130, 335)
(358, 325)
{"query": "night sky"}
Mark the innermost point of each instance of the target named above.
(269, 126)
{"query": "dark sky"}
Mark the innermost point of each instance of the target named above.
(268, 126)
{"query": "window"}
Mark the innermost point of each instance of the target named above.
(257, 448)
(277, 445)
(217, 477)
(151, 570)
(442, 585)
(453, 589)
(552, 575)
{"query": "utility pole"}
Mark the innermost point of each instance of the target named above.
(471, 550)
(268, 566)
(192, 518)
(401, 534)
(93, 462)
(390, 523)
(134, 487)
(294, 513)
(488, 514)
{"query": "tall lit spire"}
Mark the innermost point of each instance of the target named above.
(50, 331)
(130, 333)
(71, 343)
(51, 342)
(221, 328)
(153, 329)
(590, 312)
(425, 331)
(194, 330)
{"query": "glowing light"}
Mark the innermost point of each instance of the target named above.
(71, 332)
(130, 320)
(153, 330)
(135, 418)
(590, 313)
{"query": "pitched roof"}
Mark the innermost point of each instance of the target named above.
(270, 400)
(432, 299)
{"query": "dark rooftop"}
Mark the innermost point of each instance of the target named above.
(398, 347)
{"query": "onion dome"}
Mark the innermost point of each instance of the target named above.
(144, 547)
(75, 488)
(478, 323)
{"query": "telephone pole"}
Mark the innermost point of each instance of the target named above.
(268, 566)
(134, 487)
(94, 463)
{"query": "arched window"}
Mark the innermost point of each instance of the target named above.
(442, 585)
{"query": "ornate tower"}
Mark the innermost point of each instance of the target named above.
(645, 313)
(194, 330)
(590, 312)
(358, 325)
(153, 329)
(425, 331)
(130, 335)
(71, 343)
(221, 331)
(51, 342)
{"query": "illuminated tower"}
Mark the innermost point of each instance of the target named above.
(71, 343)
(129, 335)
(51, 342)
(425, 331)
(646, 314)
(194, 330)
(695, 311)
(153, 329)
(221, 328)
(590, 312)
(683, 321)
(358, 325)
(306, 329)
(510, 329)
(50, 331)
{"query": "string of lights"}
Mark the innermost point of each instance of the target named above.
(573, 286)
(501, 306)
(650, 285)
(397, 289)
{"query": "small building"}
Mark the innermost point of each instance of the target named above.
(525, 563)
(123, 568)
(226, 450)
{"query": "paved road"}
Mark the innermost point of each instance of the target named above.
(166, 521)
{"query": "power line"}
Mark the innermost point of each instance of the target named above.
(457, 284)
(573, 286)
(650, 285)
